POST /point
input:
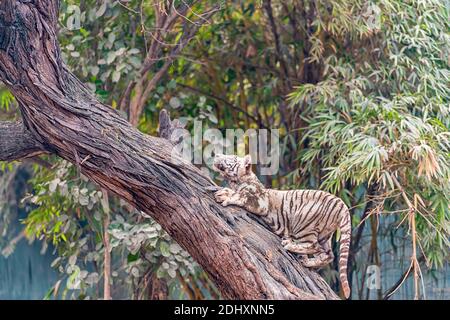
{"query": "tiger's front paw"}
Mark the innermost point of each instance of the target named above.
(223, 195)
(289, 245)
(304, 260)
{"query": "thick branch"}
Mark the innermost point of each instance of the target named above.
(16, 142)
(242, 257)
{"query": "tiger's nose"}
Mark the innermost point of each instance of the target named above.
(217, 163)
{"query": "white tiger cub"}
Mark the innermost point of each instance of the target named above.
(306, 219)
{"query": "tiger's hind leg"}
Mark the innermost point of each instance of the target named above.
(317, 261)
(322, 257)
(305, 245)
(326, 245)
(287, 240)
(300, 248)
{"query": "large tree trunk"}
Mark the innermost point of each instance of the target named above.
(243, 258)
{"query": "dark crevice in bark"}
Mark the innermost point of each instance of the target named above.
(242, 257)
(17, 143)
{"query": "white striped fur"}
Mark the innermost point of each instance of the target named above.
(306, 219)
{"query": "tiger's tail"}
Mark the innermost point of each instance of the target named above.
(346, 235)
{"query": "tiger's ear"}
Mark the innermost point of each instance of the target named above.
(248, 163)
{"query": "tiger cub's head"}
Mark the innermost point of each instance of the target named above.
(233, 168)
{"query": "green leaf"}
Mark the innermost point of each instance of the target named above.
(110, 57)
(116, 76)
(175, 248)
(174, 102)
(165, 248)
(72, 260)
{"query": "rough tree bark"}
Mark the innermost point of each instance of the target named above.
(243, 258)
(18, 143)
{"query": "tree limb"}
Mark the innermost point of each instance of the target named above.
(17, 142)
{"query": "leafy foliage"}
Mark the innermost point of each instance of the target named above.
(385, 122)
(68, 210)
